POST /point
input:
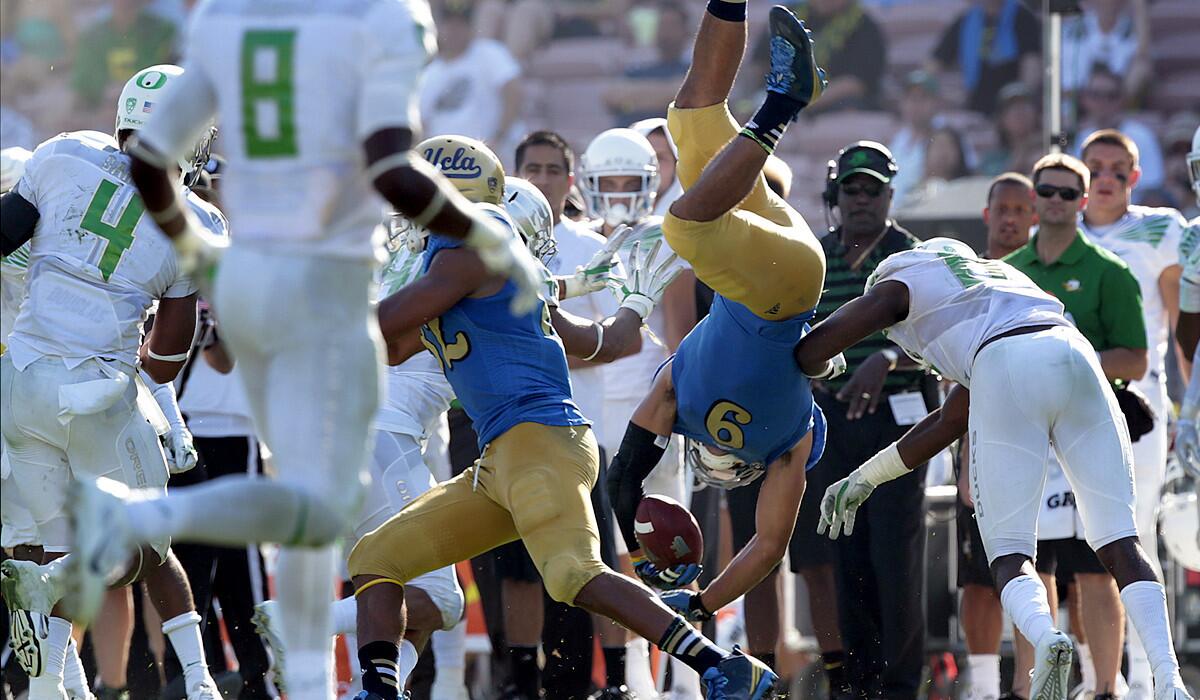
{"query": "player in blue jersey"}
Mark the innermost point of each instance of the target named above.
(539, 459)
(732, 389)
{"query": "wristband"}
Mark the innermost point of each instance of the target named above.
(599, 341)
(179, 357)
(884, 466)
(891, 356)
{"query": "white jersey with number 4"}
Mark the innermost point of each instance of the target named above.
(956, 303)
(96, 262)
(296, 87)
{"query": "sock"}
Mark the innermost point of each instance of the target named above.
(345, 616)
(1140, 675)
(379, 663)
(234, 510)
(637, 667)
(689, 646)
(450, 654)
(1087, 669)
(1146, 605)
(728, 10)
(408, 661)
(1024, 598)
(184, 633)
(74, 677)
(50, 683)
(523, 664)
(985, 674)
(684, 681)
(834, 663)
(767, 125)
(303, 579)
(614, 666)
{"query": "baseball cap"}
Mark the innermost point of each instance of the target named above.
(923, 79)
(867, 157)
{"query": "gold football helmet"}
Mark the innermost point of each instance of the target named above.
(468, 164)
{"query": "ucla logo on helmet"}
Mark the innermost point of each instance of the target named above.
(492, 184)
(457, 164)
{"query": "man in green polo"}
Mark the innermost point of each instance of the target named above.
(1103, 300)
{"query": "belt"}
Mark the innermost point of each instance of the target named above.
(1024, 330)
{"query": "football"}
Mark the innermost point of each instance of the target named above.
(667, 532)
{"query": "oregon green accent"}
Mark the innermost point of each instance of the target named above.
(119, 237)
(19, 258)
(1148, 230)
(279, 90)
(972, 272)
(160, 79)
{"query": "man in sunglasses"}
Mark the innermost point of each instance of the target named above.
(1102, 298)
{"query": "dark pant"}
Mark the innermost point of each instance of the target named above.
(880, 568)
(235, 576)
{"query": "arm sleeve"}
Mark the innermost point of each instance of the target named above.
(1121, 310)
(400, 41)
(638, 455)
(18, 220)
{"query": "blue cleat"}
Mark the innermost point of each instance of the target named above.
(794, 70)
(740, 677)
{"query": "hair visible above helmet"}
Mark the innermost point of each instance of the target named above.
(141, 93)
(531, 212)
(1193, 163)
(725, 471)
(619, 152)
(12, 166)
(469, 165)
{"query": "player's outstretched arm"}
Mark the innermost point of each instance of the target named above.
(455, 273)
(884, 305)
(615, 337)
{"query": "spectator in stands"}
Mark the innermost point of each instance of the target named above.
(472, 87)
(1111, 33)
(115, 47)
(645, 89)
(522, 25)
(919, 107)
(1103, 103)
(992, 43)
(879, 568)
(946, 160)
(1018, 133)
(1177, 142)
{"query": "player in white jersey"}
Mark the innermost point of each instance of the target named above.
(318, 104)
(1148, 240)
(1027, 381)
(69, 385)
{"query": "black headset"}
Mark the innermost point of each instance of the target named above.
(832, 168)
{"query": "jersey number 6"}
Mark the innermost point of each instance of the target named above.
(724, 422)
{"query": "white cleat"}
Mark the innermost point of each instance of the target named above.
(266, 623)
(1051, 667)
(101, 544)
(204, 690)
(30, 594)
(1172, 690)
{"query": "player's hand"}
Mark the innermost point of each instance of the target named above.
(686, 603)
(180, 450)
(199, 252)
(601, 271)
(503, 253)
(665, 579)
(863, 390)
(647, 282)
(1187, 447)
(840, 505)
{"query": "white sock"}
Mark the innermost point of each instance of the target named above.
(304, 579)
(637, 668)
(685, 683)
(1087, 669)
(74, 678)
(49, 685)
(408, 661)
(345, 616)
(985, 674)
(1140, 673)
(1146, 605)
(309, 675)
(184, 633)
(1024, 599)
(450, 655)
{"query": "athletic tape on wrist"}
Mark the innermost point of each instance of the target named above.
(178, 357)
(884, 466)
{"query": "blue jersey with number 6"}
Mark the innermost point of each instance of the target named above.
(738, 387)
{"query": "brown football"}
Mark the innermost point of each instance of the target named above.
(667, 532)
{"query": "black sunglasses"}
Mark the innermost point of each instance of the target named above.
(873, 189)
(1068, 194)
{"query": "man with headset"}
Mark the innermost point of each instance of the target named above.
(878, 568)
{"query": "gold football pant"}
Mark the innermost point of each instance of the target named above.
(760, 254)
(532, 483)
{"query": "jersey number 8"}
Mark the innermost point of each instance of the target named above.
(268, 93)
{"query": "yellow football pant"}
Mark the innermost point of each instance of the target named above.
(534, 483)
(761, 254)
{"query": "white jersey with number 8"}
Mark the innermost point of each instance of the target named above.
(97, 262)
(296, 87)
(956, 303)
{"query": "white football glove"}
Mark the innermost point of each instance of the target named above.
(503, 252)
(181, 452)
(599, 272)
(199, 253)
(840, 505)
(1187, 447)
(646, 283)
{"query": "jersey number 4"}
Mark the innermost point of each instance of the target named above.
(118, 237)
(268, 93)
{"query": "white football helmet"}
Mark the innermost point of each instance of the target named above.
(1179, 522)
(1193, 162)
(947, 245)
(529, 209)
(12, 166)
(135, 105)
(725, 471)
(468, 164)
(619, 152)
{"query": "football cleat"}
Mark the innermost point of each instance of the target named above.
(266, 623)
(1174, 690)
(1051, 667)
(101, 544)
(30, 592)
(794, 71)
(739, 677)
